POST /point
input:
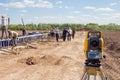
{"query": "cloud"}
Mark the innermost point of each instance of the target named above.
(90, 7)
(7, 9)
(49, 17)
(104, 14)
(84, 19)
(66, 7)
(28, 3)
(86, 15)
(22, 15)
(60, 7)
(77, 12)
(13, 5)
(116, 15)
(23, 11)
(43, 4)
(70, 17)
(36, 17)
(105, 9)
(113, 4)
(59, 2)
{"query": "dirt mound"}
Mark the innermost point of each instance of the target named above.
(31, 61)
(112, 41)
(64, 60)
(46, 60)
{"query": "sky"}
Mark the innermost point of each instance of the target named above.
(61, 11)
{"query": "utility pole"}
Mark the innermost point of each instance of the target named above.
(22, 21)
(8, 22)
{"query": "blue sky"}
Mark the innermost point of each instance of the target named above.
(61, 11)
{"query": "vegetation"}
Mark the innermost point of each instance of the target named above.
(44, 26)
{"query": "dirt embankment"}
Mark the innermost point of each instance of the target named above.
(112, 41)
(111, 64)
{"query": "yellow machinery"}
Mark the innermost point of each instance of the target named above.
(93, 52)
(93, 44)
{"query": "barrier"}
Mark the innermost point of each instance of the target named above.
(35, 36)
(32, 33)
(4, 43)
(32, 36)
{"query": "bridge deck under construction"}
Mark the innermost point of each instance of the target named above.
(8, 42)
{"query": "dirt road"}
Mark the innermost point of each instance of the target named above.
(54, 61)
(57, 61)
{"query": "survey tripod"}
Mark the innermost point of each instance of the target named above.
(93, 69)
(93, 52)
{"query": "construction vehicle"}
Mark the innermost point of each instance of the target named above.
(93, 53)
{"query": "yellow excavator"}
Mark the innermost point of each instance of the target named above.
(93, 53)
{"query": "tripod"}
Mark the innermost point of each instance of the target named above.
(93, 70)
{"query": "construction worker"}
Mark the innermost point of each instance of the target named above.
(65, 31)
(13, 35)
(57, 34)
(52, 32)
(69, 34)
(24, 31)
(73, 33)
(4, 27)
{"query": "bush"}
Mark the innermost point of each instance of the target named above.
(44, 26)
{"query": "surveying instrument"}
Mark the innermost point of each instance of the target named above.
(93, 52)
